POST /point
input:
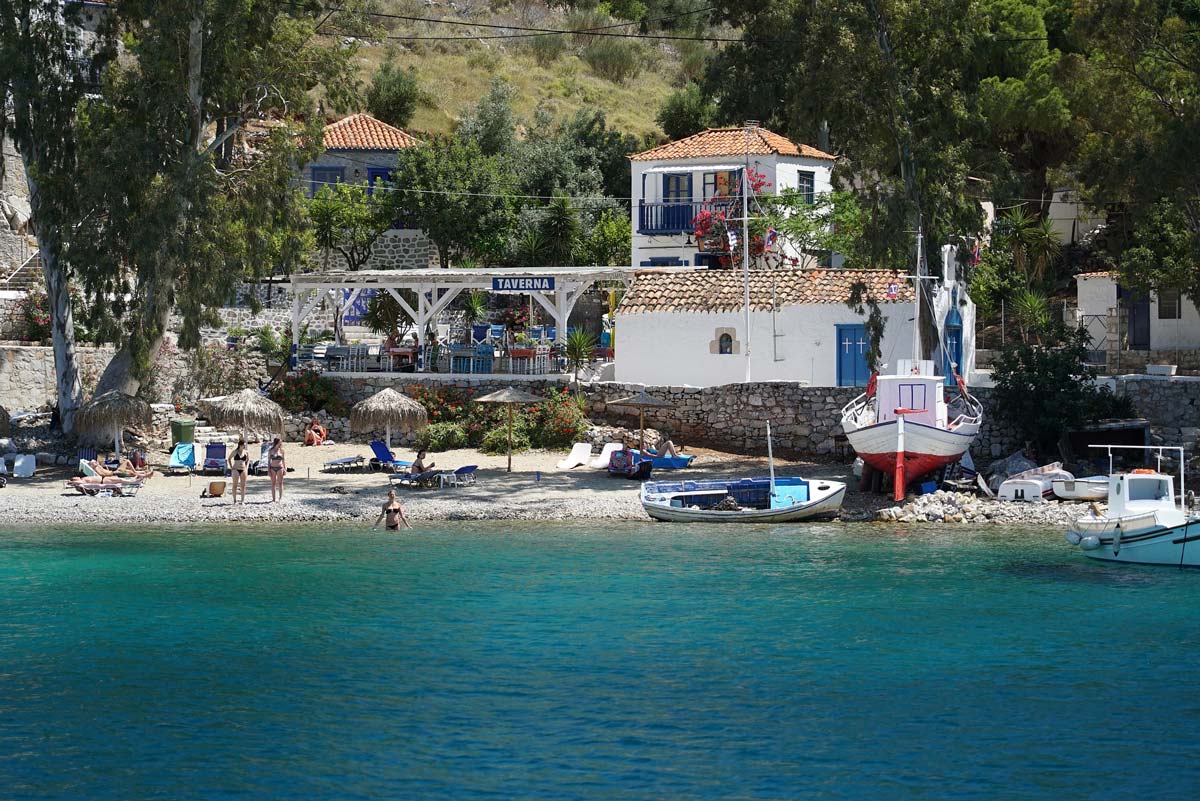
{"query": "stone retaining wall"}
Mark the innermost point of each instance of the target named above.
(27, 376)
(10, 324)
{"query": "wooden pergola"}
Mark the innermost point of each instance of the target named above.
(554, 289)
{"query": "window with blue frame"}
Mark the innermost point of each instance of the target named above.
(720, 184)
(326, 176)
(677, 213)
(806, 184)
(377, 174)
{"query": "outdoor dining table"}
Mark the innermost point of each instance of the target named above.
(400, 356)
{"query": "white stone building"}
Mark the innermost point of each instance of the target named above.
(1119, 320)
(362, 149)
(686, 327)
(673, 183)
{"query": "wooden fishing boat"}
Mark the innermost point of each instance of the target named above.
(747, 500)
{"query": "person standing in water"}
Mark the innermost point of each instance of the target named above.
(239, 466)
(276, 469)
(393, 510)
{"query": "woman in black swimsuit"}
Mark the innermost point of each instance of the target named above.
(394, 513)
(276, 469)
(239, 465)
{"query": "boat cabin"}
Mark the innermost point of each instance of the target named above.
(1139, 493)
(917, 394)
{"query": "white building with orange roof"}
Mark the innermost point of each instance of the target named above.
(678, 326)
(361, 149)
(673, 183)
(1118, 319)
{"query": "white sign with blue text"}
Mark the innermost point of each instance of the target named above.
(524, 284)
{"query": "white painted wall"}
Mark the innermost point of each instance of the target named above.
(781, 171)
(673, 348)
(1095, 294)
(1181, 333)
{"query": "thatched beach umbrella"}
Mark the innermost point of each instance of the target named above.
(509, 397)
(246, 409)
(113, 412)
(388, 408)
(641, 402)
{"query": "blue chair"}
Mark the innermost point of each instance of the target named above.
(183, 458)
(384, 458)
(214, 458)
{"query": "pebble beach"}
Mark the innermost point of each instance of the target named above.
(535, 490)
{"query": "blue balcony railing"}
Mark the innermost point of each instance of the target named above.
(676, 217)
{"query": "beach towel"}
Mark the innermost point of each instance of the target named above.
(183, 458)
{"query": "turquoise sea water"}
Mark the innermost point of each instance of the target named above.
(615, 661)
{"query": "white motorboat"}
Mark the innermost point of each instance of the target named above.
(1091, 488)
(903, 425)
(1036, 484)
(747, 500)
(1143, 524)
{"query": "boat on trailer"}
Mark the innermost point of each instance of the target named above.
(1145, 523)
(904, 426)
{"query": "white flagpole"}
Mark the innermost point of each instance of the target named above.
(746, 242)
(770, 459)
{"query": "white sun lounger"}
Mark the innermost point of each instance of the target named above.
(601, 461)
(580, 453)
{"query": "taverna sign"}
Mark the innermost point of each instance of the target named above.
(544, 283)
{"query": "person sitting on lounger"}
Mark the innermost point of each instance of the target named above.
(316, 434)
(419, 466)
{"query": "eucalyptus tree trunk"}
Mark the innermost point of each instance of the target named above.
(68, 389)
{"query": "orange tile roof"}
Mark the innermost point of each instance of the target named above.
(730, 142)
(710, 291)
(364, 132)
(1100, 274)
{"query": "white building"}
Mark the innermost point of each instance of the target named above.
(673, 183)
(1119, 320)
(687, 326)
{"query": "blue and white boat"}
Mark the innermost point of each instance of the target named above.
(746, 500)
(1144, 523)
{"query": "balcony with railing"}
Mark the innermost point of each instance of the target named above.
(675, 217)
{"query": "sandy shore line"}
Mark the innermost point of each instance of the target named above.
(535, 490)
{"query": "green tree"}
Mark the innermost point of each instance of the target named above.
(166, 146)
(41, 89)
(685, 112)
(560, 228)
(348, 220)
(395, 94)
(610, 240)
(492, 124)
(457, 195)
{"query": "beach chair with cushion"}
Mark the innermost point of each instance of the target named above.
(461, 477)
(183, 458)
(214, 458)
(87, 454)
(580, 453)
(346, 463)
(108, 490)
(215, 489)
(384, 459)
(86, 469)
(260, 468)
(601, 461)
(664, 462)
(427, 479)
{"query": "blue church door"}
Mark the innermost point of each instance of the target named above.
(852, 347)
(952, 346)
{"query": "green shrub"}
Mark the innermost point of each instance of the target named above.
(441, 437)
(495, 441)
(547, 49)
(309, 391)
(613, 59)
(556, 422)
(444, 404)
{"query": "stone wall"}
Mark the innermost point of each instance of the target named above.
(10, 326)
(1135, 361)
(27, 377)
(1171, 403)
(402, 249)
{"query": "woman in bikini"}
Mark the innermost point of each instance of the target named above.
(276, 468)
(239, 465)
(394, 512)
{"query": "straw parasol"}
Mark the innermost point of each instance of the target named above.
(113, 411)
(388, 408)
(641, 402)
(246, 409)
(509, 397)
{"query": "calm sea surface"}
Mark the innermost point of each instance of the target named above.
(609, 661)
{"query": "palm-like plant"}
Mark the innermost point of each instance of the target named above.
(384, 315)
(474, 309)
(1042, 248)
(581, 347)
(1018, 227)
(1032, 312)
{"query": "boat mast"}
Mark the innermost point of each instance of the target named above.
(916, 349)
(746, 236)
(770, 459)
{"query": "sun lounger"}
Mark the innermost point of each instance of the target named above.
(580, 453)
(346, 463)
(384, 458)
(215, 489)
(214, 458)
(460, 477)
(24, 465)
(3, 474)
(87, 454)
(86, 469)
(260, 468)
(664, 462)
(426, 479)
(183, 458)
(601, 461)
(121, 490)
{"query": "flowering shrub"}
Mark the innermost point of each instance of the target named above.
(515, 318)
(446, 404)
(309, 391)
(556, 422)
(711, 227)
(441, 437)
(33, 311)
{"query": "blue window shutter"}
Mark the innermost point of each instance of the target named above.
(851, 343)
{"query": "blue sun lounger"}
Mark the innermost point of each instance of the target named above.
(183, 458)
(346, 463)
